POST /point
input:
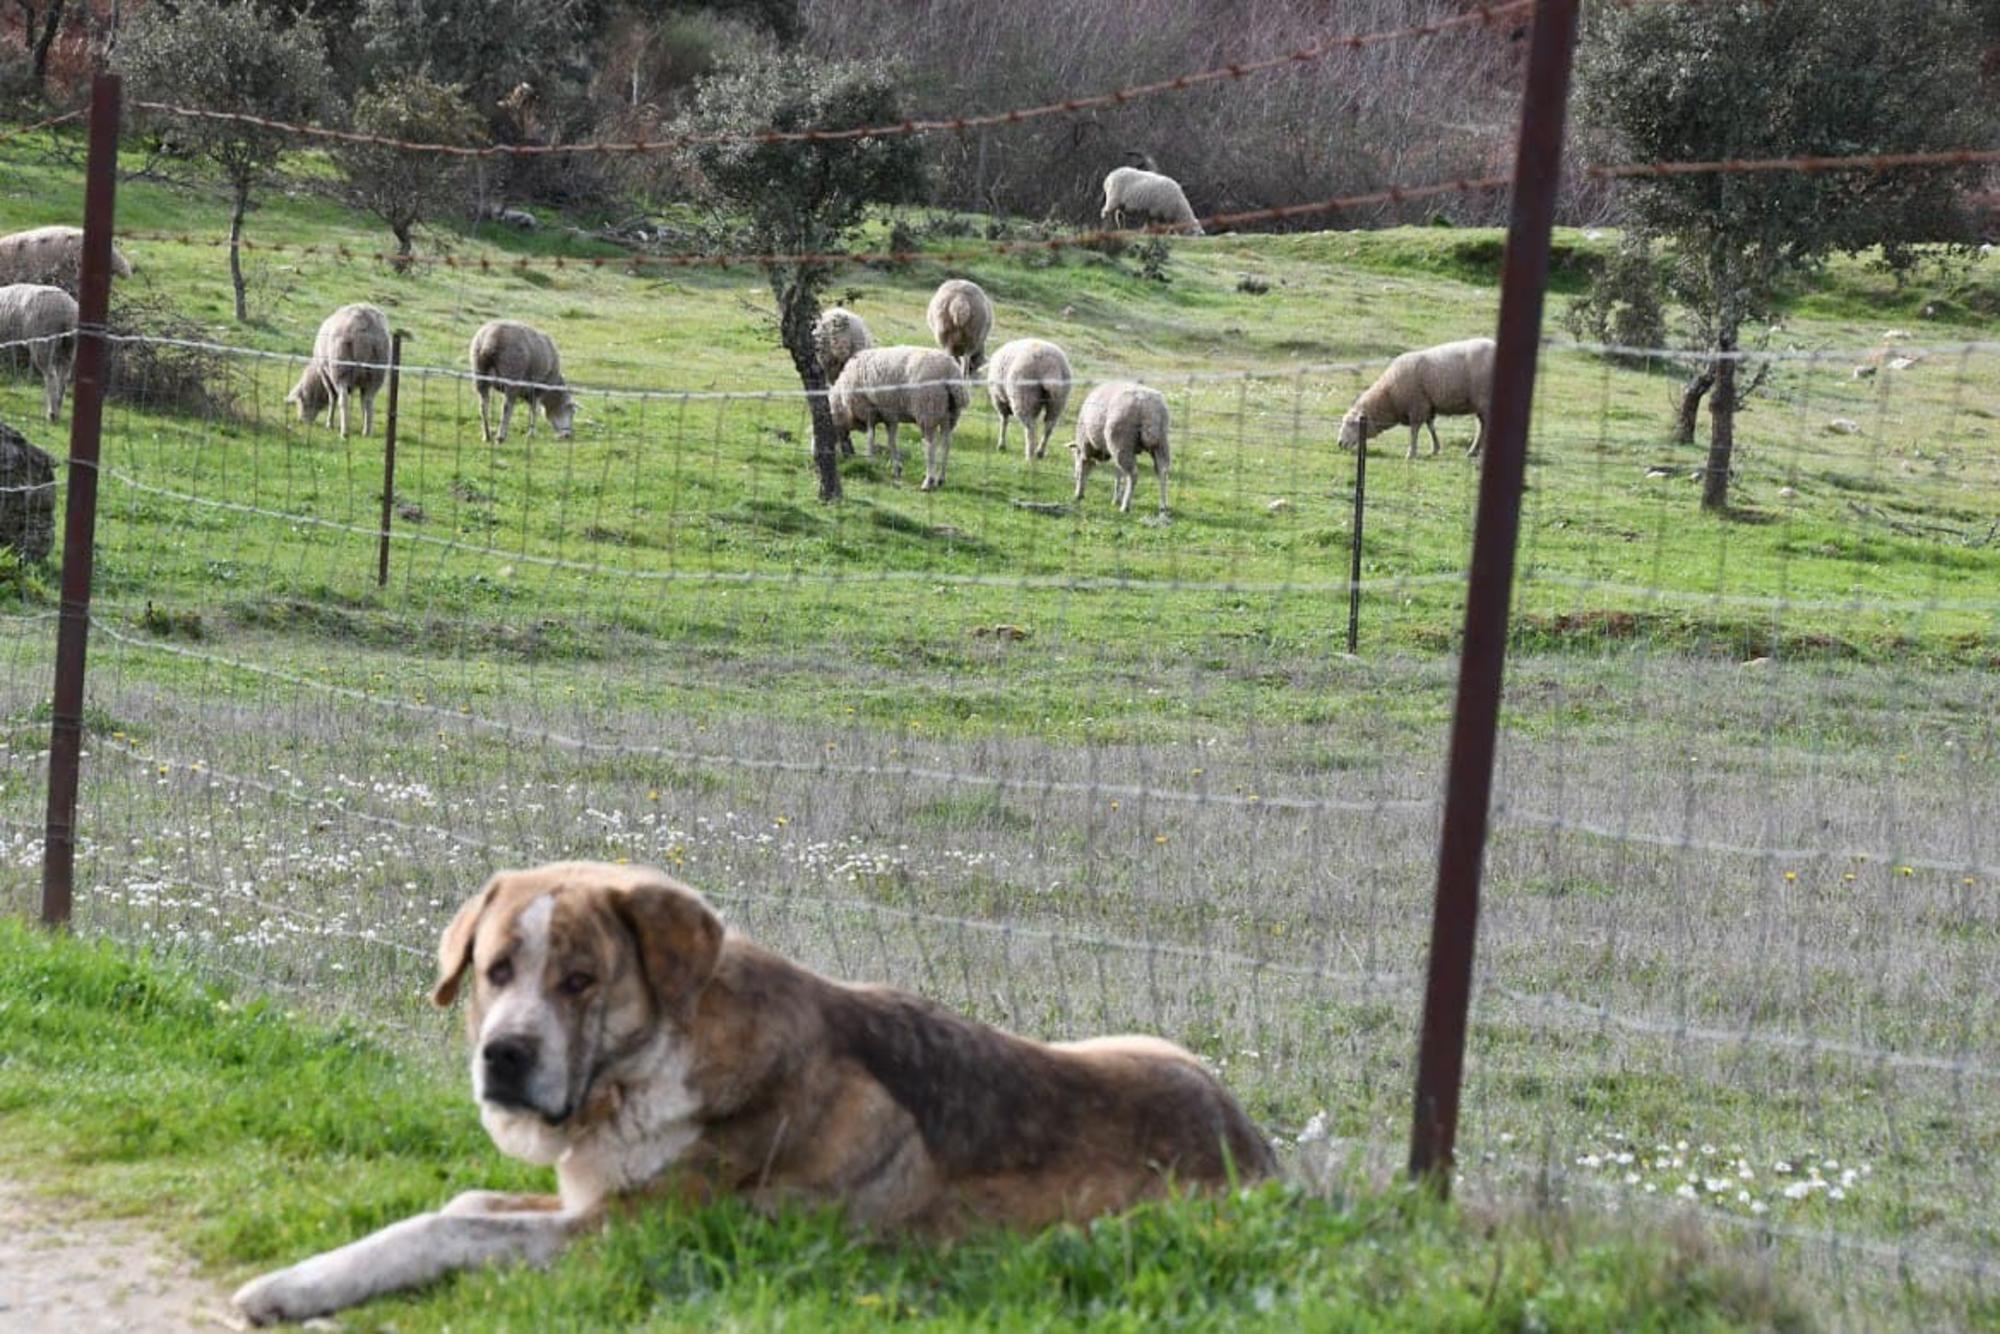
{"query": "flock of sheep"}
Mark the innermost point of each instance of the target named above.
(928, 388)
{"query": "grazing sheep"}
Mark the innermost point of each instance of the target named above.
(837, 335)
(960, 316)
(50, 256)
(1452, 379)
(43, 321)
(1141, 196)
(350, 356)
(893, 385)
(1117, 421)
(521, 362)
(1029, 377)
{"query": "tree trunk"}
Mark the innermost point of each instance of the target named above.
(51, 23)
(404, 250)
(1722, 428)
(236, 212)
(798, 311)
(1690, 411)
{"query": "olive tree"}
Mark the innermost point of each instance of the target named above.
(401, 187)
(219, 56)
(1780, 78)
(801, 198)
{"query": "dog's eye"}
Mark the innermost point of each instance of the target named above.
(501, 973)
(577, 983)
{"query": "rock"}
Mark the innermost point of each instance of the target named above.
(1788, 493)
(1844, 426)
(1662, 470)
(1279, 506)
(1758, 662)
(1252, 284)
(27, 497)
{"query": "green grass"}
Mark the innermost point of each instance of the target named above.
(252, 1138)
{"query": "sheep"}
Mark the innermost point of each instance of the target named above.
(1452, 378)
(1117, 421)
(960, 316)
(350, 356)
(43, 319)
(51, 256)
(836, 336)
(1146, 196)
(893, 385)
(521, 362)
(1029, 377)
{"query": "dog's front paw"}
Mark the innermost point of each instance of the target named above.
(288, 1294)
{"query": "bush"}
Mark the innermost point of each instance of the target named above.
(401, 188)
(1626, 303)
(180, 374)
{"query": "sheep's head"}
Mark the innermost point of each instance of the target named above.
(560, 405)
(1355, 428)
(310, 393)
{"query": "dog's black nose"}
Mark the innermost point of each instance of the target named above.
(508, 1062)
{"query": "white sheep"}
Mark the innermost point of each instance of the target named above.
(836, 336)
(1119, 420)
(350, 357)
(1140, 196)
(960, 317)
(50, 256)
(43, 321)
(1029, 377)
(893, 385)
(522, 363)
(1451, 379)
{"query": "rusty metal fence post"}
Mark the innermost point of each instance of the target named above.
(389, 458)
(80, 514)
(1475, 721)
(1354, 549)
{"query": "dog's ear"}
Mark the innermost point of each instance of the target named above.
(455, 946)
(679, 935)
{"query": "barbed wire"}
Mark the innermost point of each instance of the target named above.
(1480, 16)
(47, 124)
(1212, 223)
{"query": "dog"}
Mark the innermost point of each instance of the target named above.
(623, 1036)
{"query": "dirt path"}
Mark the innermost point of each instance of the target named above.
(60, 1270)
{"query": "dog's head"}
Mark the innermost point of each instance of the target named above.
(577, 969)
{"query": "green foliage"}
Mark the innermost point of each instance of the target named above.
(1788, 77)
(1779, 79)
(401, 188)
(802, 196)
(226, 57)
(1626, 303)
(483, 47)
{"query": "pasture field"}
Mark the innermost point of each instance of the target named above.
(1076, 771)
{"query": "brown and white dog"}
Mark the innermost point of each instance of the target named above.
(621, 1035)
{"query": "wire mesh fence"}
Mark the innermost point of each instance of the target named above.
(1074, 771)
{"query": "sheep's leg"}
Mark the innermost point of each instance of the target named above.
(944, 452)
(1437, 447)
(1006, 417)
(368, 412)
(1160, 471)
(1415, 431)
(506, 414)
(895, 453)
(1082, 472)
(1048, 429)
(340, 404)
(1128, 477)
(52, 389)
(485, 419)
(929, 434)
(1478, 439)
